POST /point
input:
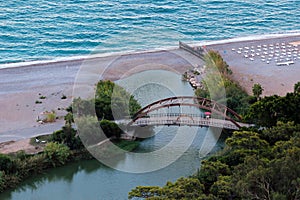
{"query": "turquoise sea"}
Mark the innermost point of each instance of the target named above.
(50, 29)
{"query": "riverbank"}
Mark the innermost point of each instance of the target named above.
(23, 159)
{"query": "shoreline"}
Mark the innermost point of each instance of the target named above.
(20, 86)
(80, 58)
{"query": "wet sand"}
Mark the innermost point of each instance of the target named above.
(21, 87)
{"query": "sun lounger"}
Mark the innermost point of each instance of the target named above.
(285, 63)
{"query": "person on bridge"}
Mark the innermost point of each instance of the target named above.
(207, 115)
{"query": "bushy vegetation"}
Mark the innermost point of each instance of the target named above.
(67, 135)
(253, 165)
(56, 153)
(7, 164)
(271, 109)
(183, 188)
(218, 85)
(111, 102)
(19, 166)
(109, 97)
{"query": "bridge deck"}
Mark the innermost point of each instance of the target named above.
(185, 121)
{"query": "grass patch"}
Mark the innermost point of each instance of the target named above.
(50, 117)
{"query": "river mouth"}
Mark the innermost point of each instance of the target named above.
(93, 180)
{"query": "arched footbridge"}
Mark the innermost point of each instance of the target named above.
(158, 113)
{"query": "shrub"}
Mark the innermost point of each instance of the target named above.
(7, 164)
(32, 165)
(57, 153)
(50, 117)
(2, 181)
(110, 128)
(68, 137)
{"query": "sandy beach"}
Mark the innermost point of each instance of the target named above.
(21, 87)
(274, 79)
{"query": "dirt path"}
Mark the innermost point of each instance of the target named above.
(15, 146)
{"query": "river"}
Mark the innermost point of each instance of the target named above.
(93, 180)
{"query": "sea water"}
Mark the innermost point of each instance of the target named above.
(34, 30)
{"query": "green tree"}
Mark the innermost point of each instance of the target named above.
(257, 90)
(269, 110)
(222, 188)
(285, 173)
(183, 188)
(69, 120)
(246, 140)
(210, 171)
(109, 94)
(214, 59)
(82, 107)
(280, 132)
(109, 97)
(68, 135)
(57, 153)
(297, 87)
(253, 179)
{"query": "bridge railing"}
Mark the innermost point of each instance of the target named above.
(202, 115)
(200, 122)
